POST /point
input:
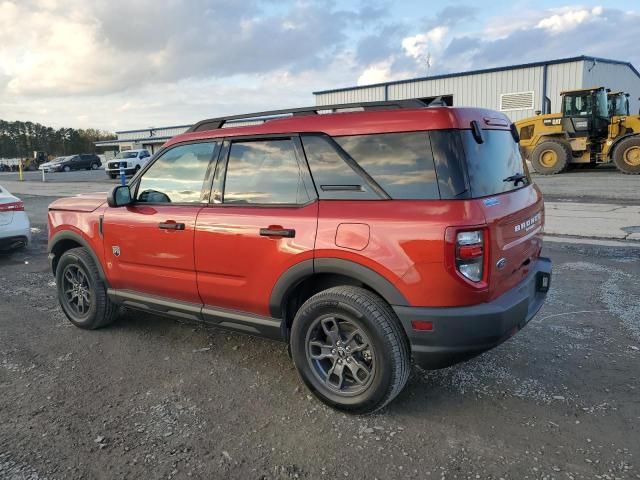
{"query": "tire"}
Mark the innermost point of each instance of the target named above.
(67, 168)
(371, 337)
(112, 175)
(137, 169)
(100, 311)
(626, 155)
(94, 166)
(551, 157)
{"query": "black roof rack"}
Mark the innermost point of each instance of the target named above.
(215, 123)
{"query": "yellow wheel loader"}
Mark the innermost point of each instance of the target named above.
(593, 127)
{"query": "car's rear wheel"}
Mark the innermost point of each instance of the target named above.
(94, 166)
(81, 292)
(350, 350)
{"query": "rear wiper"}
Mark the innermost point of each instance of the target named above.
(516, 179)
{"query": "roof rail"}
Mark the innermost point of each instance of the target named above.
(215, 123)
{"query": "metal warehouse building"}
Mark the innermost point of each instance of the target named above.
(149, 138)
(518, 90)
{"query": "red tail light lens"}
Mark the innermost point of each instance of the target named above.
(470, 254)
(12, 207)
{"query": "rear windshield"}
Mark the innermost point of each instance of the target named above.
(493, 166)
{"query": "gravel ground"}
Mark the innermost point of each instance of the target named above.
(150, 397)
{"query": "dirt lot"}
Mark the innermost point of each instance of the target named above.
(150, 397)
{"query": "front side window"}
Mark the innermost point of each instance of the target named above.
(177, 176)
(401, 163)
(264, 172)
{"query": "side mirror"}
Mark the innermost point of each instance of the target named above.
(120, 196)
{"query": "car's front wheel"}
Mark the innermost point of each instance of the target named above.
(67, 168)
(81, 292)
(350, 350)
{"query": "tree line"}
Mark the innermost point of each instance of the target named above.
(21, 139)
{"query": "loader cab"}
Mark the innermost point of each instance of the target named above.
(585, 113)
(618, 103)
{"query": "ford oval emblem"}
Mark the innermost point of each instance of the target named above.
(501, 263)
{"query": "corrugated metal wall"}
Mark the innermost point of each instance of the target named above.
(484, 89)
(561, 77)
(366, 94)
(619, 78)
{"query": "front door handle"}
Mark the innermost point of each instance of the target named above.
(277, 231)
(171, 225)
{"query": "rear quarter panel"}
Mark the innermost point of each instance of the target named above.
(406, 244)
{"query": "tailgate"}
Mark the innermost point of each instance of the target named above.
(515, 221)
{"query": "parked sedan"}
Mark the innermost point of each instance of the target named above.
(84, 161)
(15, 229)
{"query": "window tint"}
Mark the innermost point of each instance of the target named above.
(264, 172)
(334, 179)
(178, 175)
(448, 155)
(401, 163)
(491, 162)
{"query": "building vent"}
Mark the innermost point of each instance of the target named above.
(516, 101)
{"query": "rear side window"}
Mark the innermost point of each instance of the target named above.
(334, 178)
(448, 156)
(401, 163)
(264, 172)
(491, 164)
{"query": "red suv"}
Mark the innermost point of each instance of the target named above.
(362, 238)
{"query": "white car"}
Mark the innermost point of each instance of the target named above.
(15, 229)
(133, 161)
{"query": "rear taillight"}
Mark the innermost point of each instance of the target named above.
(470, 254)
(12, 207)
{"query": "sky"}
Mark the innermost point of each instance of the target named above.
(126, 64)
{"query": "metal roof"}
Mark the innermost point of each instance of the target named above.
(134, 140)
(153, 128)
(487, 70)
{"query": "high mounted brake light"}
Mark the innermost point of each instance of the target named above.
(12, 207)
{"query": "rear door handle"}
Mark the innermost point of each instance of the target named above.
(171, 225)
(277, 232)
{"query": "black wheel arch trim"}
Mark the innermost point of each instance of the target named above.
(66, 235)
(292, 277)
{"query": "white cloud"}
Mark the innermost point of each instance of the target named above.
(376, 73)
(568, 18)
(420, 46)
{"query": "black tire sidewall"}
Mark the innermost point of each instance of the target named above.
(70, 258)
(562, 151)
(381, 383)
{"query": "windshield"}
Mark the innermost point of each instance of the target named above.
(602, 109)
(618, 104)
(584, 104)
(128, 154)
(59, 159)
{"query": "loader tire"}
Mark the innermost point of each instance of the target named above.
(551, 157)
(626, 155)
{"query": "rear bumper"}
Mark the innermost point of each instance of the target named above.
(460, 333)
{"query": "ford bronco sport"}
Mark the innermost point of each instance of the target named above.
(362, 238)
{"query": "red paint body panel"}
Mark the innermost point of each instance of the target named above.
(237, 268)
(152, 261)
(80, 203)
(406, 244)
